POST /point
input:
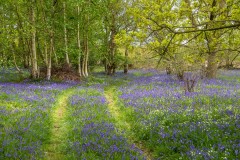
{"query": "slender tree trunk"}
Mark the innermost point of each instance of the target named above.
(55, 55)
(169, 69)
(86, 57)
(34, 52)
(126, 61)
(112, 45)
(29, 55)
(86, 48)
(83, 63)
(49, 68)
(26, 64)
(227, 60)
(49, 62)
(79, 44)
(14, 58)
(105, 65)
(46, 53)
(65, 35)
(106, 41)
(111, 64)
(25, 53)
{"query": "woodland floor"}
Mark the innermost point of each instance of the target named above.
(143, 115)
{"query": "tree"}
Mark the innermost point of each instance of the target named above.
(65, 35)
(91, 33)
(166, 22)
(33, 41)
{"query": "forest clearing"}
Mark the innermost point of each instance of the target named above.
(142, 115)
(119, 79)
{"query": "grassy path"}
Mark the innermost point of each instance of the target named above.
(114, 107)
(59, 128)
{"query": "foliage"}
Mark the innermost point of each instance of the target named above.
(193, 31)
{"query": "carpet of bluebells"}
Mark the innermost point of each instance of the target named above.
(24, 118)
(25, 122)
(92, 131)
(168, 122)
(204, 124)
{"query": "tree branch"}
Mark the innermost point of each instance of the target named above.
(166, 49)
(208, 29)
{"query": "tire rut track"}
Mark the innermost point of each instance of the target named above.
(59, 129)
(114, 109)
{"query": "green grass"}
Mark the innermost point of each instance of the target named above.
(59, 129)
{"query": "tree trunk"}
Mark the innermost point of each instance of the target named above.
(26, 64)
(14, 58)
(45, 53)
(126, 61)
(227, 54)
(105, 65)
(86, 57)
(65, 36)
(86, 47)
(211, 70)
(34, 52)
(83, 65)
(25, 56)
(55, 55)
(49, 68)
(106, 41)
(109, 70)
(79, 45)
(49, 59)
(227, 60)
(111, 66)
(29, 55)
(169, 69)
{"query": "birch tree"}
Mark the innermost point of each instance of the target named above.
(33, 41)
